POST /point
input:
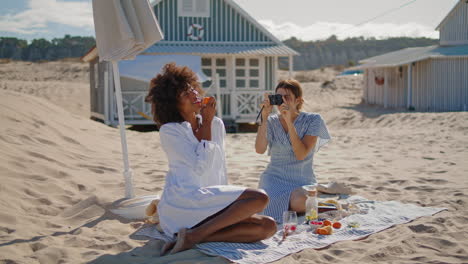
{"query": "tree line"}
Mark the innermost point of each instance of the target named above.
(43, 49)
(348, 52)
(314, 54)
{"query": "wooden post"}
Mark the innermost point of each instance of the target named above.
(275, 72)
(290, 60)
(232, 90)
(410, 82)
(106, 95)
(385, 88)
(111, 95)
(218, 97)
(366, 86)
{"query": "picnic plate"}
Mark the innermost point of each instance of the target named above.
(323, 208)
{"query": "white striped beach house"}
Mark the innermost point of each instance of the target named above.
(433, 78)
(228, 49)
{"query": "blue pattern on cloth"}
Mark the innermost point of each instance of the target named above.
(285, 173)
(380, 216)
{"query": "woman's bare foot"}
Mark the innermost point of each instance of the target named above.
(184, 241)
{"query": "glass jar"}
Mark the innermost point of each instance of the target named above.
(311, 204)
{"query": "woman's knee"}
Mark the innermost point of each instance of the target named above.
(263, 195)
(269, 227)
(259, 197)
(297, 200)
(262, 198)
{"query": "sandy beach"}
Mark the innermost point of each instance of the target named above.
(59, 171)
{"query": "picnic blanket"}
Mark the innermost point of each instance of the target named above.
(374, 216)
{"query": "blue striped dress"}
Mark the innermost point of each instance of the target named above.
(285, 173)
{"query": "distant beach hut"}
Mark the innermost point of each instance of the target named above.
(223, 39)
(433, 78)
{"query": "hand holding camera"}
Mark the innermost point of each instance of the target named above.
(275, 99)
(283, 106)
(269, 101)
(266, 106)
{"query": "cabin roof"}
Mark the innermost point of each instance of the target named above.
(246, 15)
(269, 49)
(457, 5)
(90, 55)
(272, 48)
(409, 55)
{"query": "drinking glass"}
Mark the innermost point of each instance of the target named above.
(289, 221)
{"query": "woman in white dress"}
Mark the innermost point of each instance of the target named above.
(196, 203)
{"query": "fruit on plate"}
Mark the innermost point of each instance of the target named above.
(327, 223)
(337, 225)
(321, 231)
(318, 223)
(326, 230)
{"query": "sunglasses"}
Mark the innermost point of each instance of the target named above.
(189, 91)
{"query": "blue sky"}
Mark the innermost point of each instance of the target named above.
(305, 19)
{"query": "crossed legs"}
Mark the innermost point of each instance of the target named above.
(238, 222)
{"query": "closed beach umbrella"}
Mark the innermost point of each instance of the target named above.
(124, 28)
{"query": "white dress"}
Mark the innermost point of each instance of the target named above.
(196, 183)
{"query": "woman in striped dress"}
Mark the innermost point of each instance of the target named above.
(292, 138)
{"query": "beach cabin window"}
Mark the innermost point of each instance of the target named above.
(211, 66)
(193, 8)
(247, 73)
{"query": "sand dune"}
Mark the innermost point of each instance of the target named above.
(60, 171)
(65, 84)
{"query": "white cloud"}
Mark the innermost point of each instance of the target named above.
(323, 30)
(39, 13)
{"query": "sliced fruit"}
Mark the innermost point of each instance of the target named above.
(337, 225)
(321, 231)
(336, 203)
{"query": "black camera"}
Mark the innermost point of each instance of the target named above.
(275, 99)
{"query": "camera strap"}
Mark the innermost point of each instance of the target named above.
(259, 115)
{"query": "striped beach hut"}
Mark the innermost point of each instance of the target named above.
(229, 50)
(433, 78)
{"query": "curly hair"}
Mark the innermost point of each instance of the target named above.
(294, 86)
(165, 90)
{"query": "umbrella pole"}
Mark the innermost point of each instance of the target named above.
(123, 138)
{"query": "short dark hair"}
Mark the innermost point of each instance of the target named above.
(292, 85)
(165, 90)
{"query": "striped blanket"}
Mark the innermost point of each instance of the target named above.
(377, 216)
